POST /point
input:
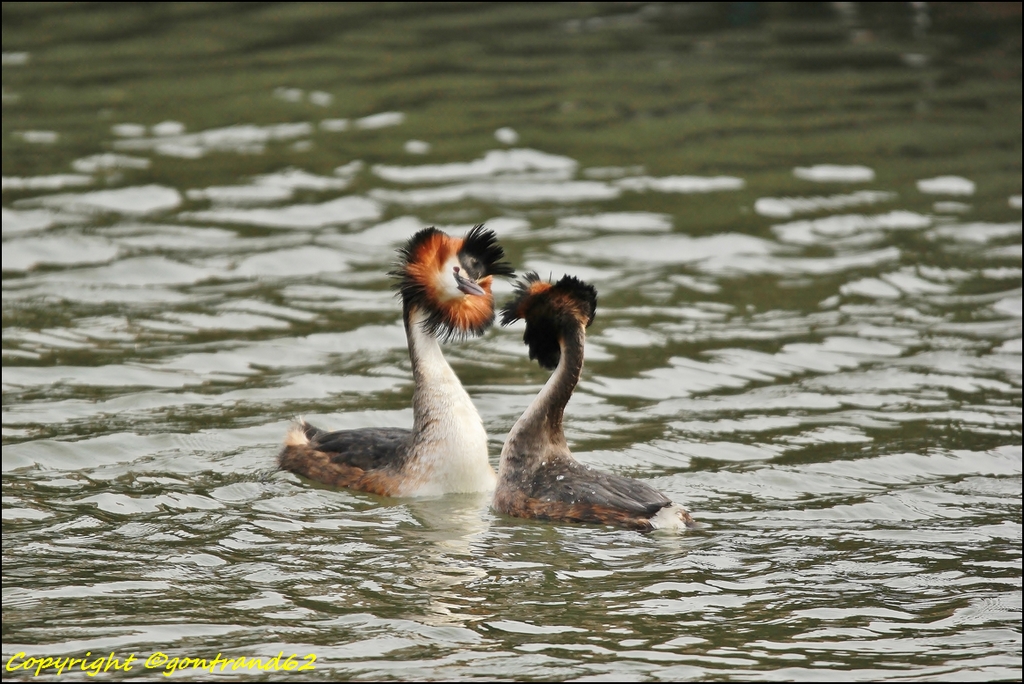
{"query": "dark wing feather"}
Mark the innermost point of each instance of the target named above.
(366, 448)
(570, 482)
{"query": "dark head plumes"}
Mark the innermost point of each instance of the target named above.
(424, 264)
(551, 311)
(481, 255)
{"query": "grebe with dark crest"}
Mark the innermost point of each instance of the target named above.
(445, 287)
(537, 476)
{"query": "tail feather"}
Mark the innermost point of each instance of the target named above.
(674, 517)
(300, 432)
(301, 455)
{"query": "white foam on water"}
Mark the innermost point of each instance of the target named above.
(946, 275)
(334, 125)
(666, 249)
(341, 211)
(270, 188)
(1015, 201)
(675, 381)
(165, 238)
(37, 137)
(835, 173)
(416, 147)
(243, 138)
(321, 98)
(128, 130)
(24, 513)
(95, 376)
(15, 58)
(368, 338)
(138, 200)
(382, 120)
(951, 207)
(260, 307)
(297, 179)
(784, 207)
(64, 250)
(910, 283)
(503, 226)
(51, 182)
(17, 221)
(288, 94)
(1005, 252)
(748, 264)
(137, 271)
(1003, 273)
(946, 185)
(778, 397)
(622, 221)
(183, 151)
(165, 128)
(609, 172)
(506, 136)
(493, 163)
(56, 289)
(225, 321)
(898, 380)
(830, 228)
(1009, 347)
(240, 194)
(109, 161)
(630, 336)
(1010, 306)
(978, 233)
(870, 287)
(349, 170)
(297, 261)
(681, 184)
(695, 284)
(324, 297)
(958, 363)
(792, 359)
(730, 451)
(499, 192)
(755, 423)
(385, 234)
(518, 627)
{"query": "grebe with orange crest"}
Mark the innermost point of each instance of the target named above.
(445, 287)
(538, 476)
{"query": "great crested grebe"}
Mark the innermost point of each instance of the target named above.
(445, 286)
(537, 476)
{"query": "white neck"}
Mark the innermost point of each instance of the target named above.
(449, 452)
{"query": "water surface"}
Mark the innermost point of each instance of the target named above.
(804, 226)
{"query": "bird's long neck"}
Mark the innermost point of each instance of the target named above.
(449, 443)
(436, 382)
(538, 432)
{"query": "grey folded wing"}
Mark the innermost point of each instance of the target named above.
(573, 483)
(365, 448)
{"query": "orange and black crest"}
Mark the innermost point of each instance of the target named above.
(550, 311)
(422, 272)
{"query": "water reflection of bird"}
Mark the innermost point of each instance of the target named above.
(445, 286)
(537, 476)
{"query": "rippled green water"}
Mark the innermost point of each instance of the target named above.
(200, 204)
